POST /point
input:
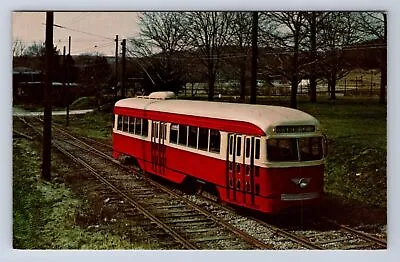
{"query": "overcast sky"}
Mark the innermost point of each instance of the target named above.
(89, 31)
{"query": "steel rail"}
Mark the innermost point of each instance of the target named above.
(240, 233)
(165, 227)
(299, 240)
(132, 202)
(225, 224)
(293, 237)
(231, 228)
(365, 236)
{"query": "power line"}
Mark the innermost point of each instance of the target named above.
(93, 47)
(79, 17)
(80, 31)
(140, 64)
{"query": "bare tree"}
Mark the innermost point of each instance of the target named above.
(208, 33)
(161, 38)
(314, 21)
(289, 36)
(163, 30)
(374, 25)
(338, 33)
(241, 38)
(18, 48)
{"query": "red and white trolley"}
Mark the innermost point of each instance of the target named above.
(266, 158)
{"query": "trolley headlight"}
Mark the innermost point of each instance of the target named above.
(301, 182)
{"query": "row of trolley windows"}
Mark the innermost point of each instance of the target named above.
(196, 137)
(247, 147)
(133, 125)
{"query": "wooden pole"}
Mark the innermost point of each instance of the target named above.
(123, 90)
(68, 77)
(116, 69)
(46, 161)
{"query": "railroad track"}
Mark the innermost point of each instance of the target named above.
(317, 232)
(189, 225)
(320, 233)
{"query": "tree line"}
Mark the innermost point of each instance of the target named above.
(293, 44)
(174, 48)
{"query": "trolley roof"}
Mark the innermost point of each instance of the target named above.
(264, 117)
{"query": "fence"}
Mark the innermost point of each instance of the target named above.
(357, 86)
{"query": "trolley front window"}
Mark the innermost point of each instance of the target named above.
(294, 149)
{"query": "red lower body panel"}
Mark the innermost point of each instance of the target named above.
(270, 190)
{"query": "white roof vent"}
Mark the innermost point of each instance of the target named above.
(161, 95)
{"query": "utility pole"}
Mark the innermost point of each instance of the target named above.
(123, 90)
(254, 54)
(68, 76)
(65, 92)
(116, 69)
(46, 156)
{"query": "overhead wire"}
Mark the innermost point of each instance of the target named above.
(144, 69)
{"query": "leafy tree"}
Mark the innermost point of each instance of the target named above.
(35, 50)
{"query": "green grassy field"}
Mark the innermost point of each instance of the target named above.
(357, 161)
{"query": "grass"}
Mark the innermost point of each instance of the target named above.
(45, 214)
(357, 161)
(96, 124)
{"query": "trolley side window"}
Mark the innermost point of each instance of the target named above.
(145, 127)
(182, 135)
(192, 140)
(173, 134)
(230, 145)
(282, 149)
(125, 124)
(138, 126)
(203, 138)
(257, 149)
(238, 145)
(215, 141)
(155, 129)
(247, 147)
(119, 125)
(132, 125)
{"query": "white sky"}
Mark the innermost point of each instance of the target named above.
(89, 31)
